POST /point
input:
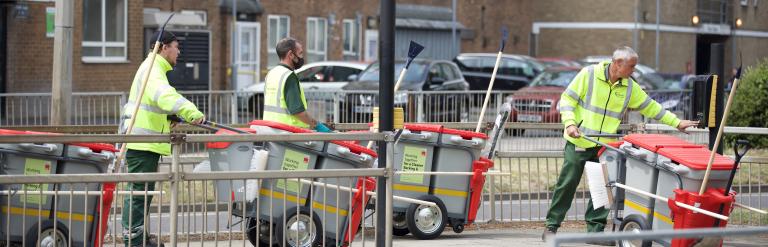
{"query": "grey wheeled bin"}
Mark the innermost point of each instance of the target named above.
(332, 206)
(641, 162)
(456, 152)
(22, 213)
(278, 195)
(414, 152)
(85, 212)
(228, 156)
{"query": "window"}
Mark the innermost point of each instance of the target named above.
(350, 37)
(340, 73)
(279, 28)
(313, 74)
(316, 37)
(104, 30)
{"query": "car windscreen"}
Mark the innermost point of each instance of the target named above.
(415, 72)
(555, 78)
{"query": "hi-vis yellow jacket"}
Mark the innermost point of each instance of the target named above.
(599, 106)
(275, 107)
(159, 101)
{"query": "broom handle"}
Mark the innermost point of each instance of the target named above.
(679, 204)
(397, 86)
(719, 136)
(132, 121)
(488, 92)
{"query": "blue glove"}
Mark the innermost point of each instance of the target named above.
(320, 127)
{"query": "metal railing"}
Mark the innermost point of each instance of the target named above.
(231, 107)
(188, 205)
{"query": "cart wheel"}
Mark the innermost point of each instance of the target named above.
(427, 222)
(254, 229)
(634, 223)
(300, 229)
(400, 225)
(458, 228)
(48, 234)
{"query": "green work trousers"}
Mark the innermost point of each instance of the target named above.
(569, 178)
(134, 208)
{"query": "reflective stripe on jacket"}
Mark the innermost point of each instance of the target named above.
(275, 108)
(599, 106)
(159, 101)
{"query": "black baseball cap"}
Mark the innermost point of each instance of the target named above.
(166, 38)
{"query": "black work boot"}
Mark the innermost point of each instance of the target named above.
(548, 232)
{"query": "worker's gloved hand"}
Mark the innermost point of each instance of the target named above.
(573, 131)
(320, 127)
(199, 120)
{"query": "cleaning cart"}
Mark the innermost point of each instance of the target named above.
(30, 207)
(296, 212)
(433, 148)
(671, 168)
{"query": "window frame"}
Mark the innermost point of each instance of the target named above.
(103, 44)
(315, 51)
(271, 49)
(354, 39)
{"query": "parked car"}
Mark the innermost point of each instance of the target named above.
(537, 103)
(326, 76)
(559, 62)
(423, 75)
(515, 71)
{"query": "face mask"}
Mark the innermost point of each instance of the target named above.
(299, 63)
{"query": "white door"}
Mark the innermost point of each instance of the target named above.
(371, 45)
(247, 50)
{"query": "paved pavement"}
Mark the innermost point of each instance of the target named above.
(482, 237)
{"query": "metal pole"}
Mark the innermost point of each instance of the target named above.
(61, 88)
(388, 216)
(658, 18)
(635, 31)
(454, 51)
(175, 152)
(233, 81)
(386, 101)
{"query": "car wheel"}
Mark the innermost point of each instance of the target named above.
(634, 223)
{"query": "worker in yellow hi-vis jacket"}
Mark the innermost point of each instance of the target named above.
(158, 101)
(594, 103)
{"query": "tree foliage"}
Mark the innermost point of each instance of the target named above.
(750, 105)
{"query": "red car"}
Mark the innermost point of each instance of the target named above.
(537, 102)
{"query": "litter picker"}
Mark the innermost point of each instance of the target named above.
(143, 86)
(720, 131)
(504, 34)
(414, 49)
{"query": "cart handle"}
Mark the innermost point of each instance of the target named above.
(45, 147)
(603, 144)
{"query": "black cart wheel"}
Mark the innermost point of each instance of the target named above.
(300, 229)
(400, 225)
(427, 222)
(634, 223)
(48, 235)
(258, 234)
(458, 228)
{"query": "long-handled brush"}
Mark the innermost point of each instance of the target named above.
(504, 34)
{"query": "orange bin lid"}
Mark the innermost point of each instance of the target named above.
(653, 142)
(696, 158)
(440, 129)
(280, 126)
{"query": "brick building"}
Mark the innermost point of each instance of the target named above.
(107, 50)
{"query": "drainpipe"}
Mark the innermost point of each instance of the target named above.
(658, 18)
